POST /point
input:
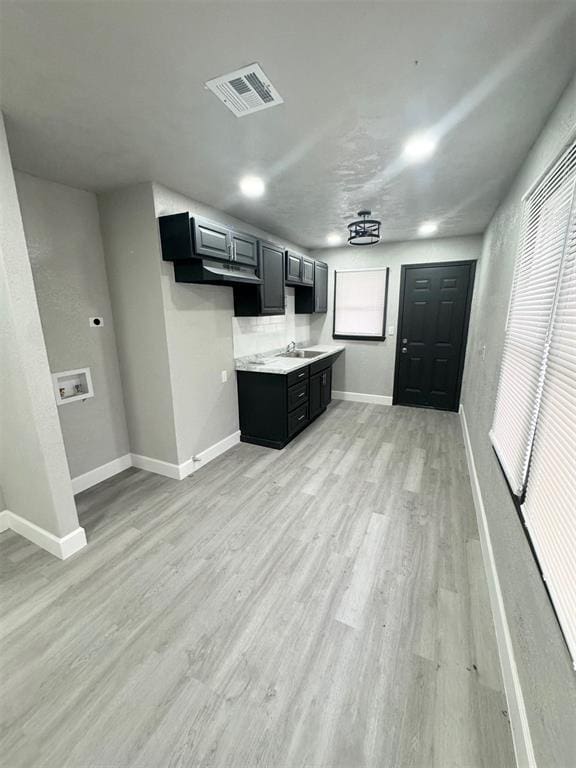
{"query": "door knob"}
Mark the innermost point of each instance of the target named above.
(404, 350)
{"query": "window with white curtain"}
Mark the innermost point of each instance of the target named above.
(360, 297)
(534, 427)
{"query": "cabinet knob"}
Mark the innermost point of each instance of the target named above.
(404, 350)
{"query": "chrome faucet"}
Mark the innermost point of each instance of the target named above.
(291, 346)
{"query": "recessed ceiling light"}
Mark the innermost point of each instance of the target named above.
(427, 228)
(419, 147)
(333, 239)
(252, 186)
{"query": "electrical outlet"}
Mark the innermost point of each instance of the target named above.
(224, 377)
(96, 322)
(390, 330)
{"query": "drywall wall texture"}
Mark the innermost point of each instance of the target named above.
(33, 468)
(199, 323)
(129, 236)
(544, 667)
(62, 229)
(368, 366)
(256, 335)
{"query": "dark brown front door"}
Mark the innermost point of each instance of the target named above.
(432, 329)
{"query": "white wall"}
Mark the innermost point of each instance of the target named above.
(62, 229)
(368, 366)
(544, 667)
(130, 238)
(261, 335)
(33, 469)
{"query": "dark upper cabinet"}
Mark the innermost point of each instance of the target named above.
(267, 298)
(299, 269)
(211, 240)
(314, 298)
(183, 238)
(272, 273)
(244, 249)
(320, 287)
(307, 271)
(176, 237)
(293, 268)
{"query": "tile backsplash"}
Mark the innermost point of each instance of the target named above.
(258, 335)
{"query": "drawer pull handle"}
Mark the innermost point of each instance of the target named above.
(301, 417)
(301, 375)
(301, 394)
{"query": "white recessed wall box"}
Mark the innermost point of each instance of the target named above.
(70, 386)
(245, 91)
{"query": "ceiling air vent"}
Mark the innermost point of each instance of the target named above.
(245, 91)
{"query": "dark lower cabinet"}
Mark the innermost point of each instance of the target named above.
(320, 391)
(275, 407)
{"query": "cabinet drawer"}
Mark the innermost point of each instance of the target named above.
(298, 376)
(297, 395)
(297, 419)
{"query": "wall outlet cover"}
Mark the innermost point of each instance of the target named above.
(224, 377)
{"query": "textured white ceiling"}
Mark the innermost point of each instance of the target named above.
(102, 94)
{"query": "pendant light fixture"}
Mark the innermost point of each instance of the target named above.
(364, 231)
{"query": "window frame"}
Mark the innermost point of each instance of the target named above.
(350, 337)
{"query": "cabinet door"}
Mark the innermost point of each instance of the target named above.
(320, 287)
(244, 249)
(315, 394)
(293, 267)
(211, 240)
(272, 274)
(307, 271)
(326, 387)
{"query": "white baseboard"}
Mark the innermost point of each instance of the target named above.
(157, 466)
(180, 471)
(95, 476)
(209, 454)
(4, 520)
(60, 546)
(516, 708)
(361, 397)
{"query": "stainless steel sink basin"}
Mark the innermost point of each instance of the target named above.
(300, 353)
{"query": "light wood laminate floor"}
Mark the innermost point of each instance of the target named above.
(320, 606)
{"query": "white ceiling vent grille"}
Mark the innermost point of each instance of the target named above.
(245, 91)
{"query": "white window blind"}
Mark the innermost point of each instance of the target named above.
(549, 507)
(534, 288)
(360, 303)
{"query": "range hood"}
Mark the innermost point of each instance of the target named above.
(208, 272)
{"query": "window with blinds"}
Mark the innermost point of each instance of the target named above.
(534, 427)
(360, 297)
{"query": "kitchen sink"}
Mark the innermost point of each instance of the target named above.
(300, 353)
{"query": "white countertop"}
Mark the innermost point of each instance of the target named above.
(272, 363)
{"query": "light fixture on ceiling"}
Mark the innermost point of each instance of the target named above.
(427, 228)
(419, 147)
(333, 239)
(252, 186)
(364, 231)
